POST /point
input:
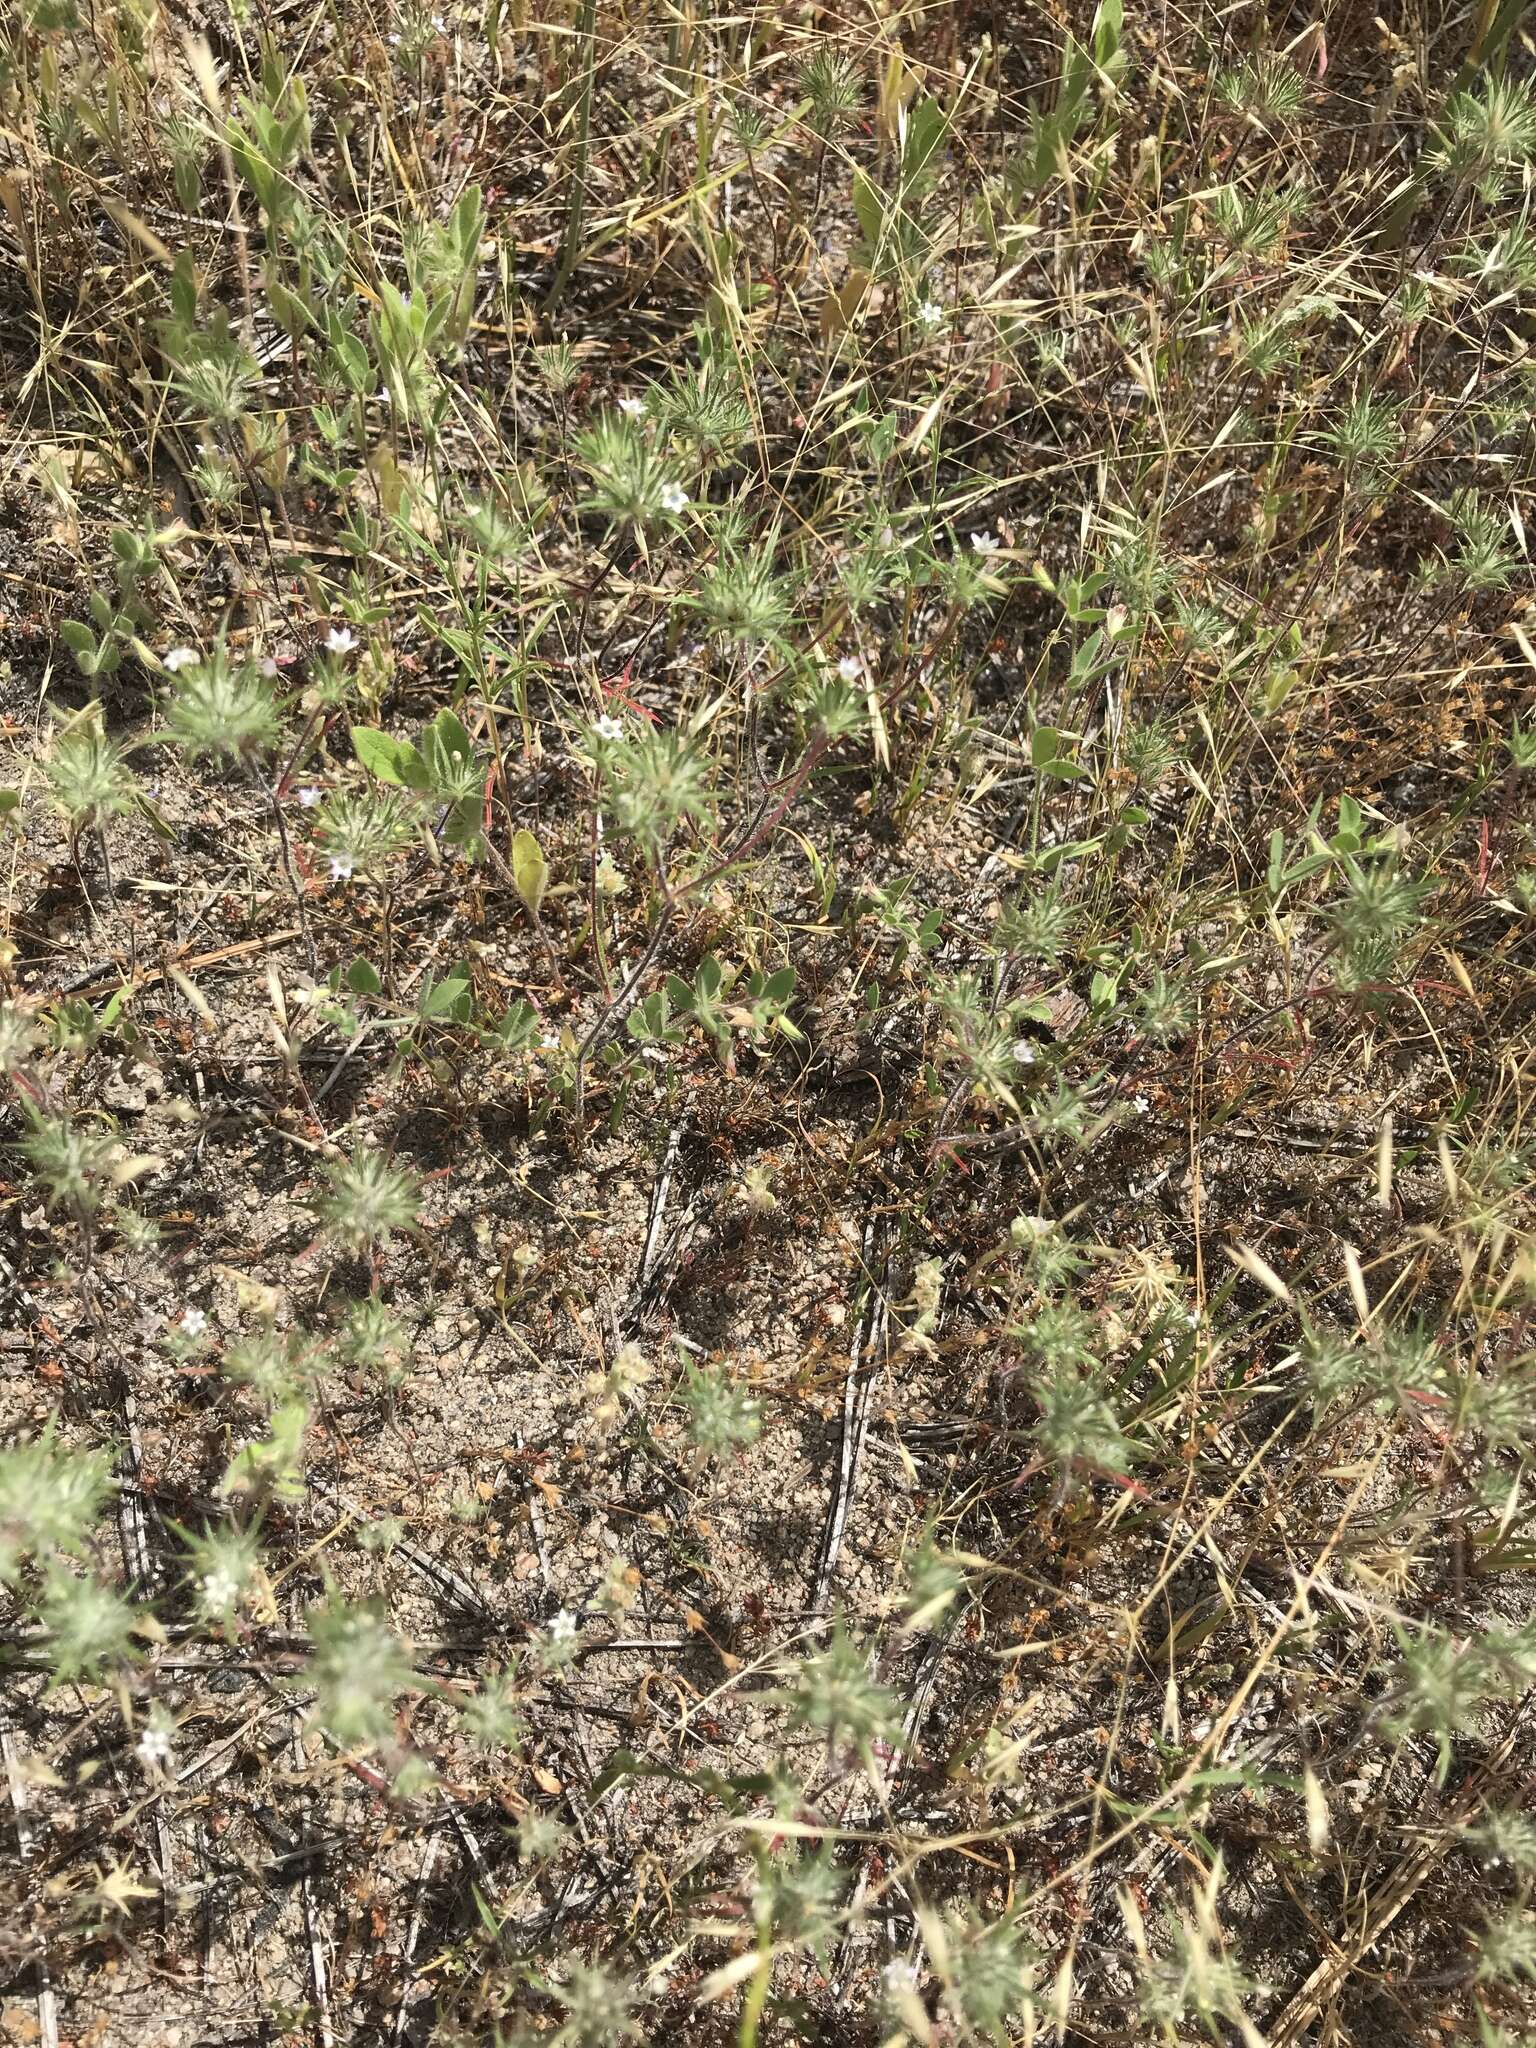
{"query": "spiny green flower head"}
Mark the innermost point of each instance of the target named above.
(73, 1163)
(221, 1565)
(1269, 89)
(362, 829)
(1490, 129)
(49, 1499)
(1197, 1979)
(654, 781)
(1038, 924)
(88, 777)
(969, 571)
(834, 1694)
(722, 1417)
(1505, 1836)
(367, 1200)
(18, 1035)
(835, 89)
(991, 1969)
(357, 1667)
(90, 1628)
(1077, 1426)
(795, 1898)
(597, 2007)
(1507, 1948)
(1440, 1687)
(743, 600)
(277, 1365)
(374, 1337)
(703, 407)
(633, 483)
(493, 1718)
(220, 704)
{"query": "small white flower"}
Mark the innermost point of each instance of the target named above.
(899, 1975)
(1024, 1051)
(930, 313)
(850, 668)
(632, 408)
(340, 640)
(563, 1628)
(153, 1748)
(985, 543)
(608, 727)
(182, 657)
(309, 797)
(220, 1590)
(267, 667)
(193, 1322)
(549, 1042)
(1140, 1104)
(384, 395)
(673, 498)
(341, 867)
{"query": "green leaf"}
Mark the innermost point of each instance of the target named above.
(113, 1007)
(1276, 874)
(530, 870)
(464, 825)
(449, 756)
(184, 289)
(363, 979)
(1350, 835)
(288, 309)
(518, 1028)
(1053, 857)
(77, 636)
(710, 977)
(157, 822)
(351, 359)
(386, 758)
(927, 126)
(1108, 30)
(449, 997)
(1047, 758)
(869, 209)
(468, 222)
(652, 1018)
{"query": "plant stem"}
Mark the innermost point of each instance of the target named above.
(269, 791)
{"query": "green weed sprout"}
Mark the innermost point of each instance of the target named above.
(367, 1199)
